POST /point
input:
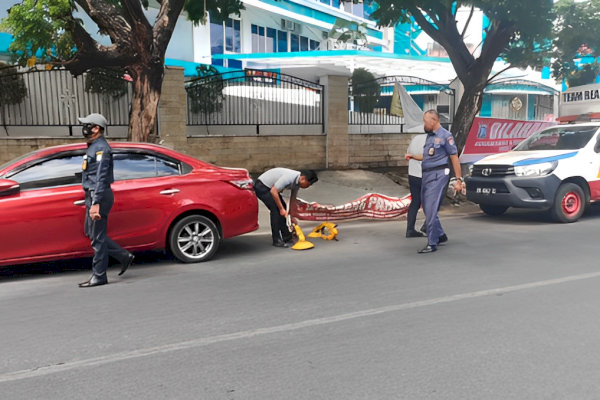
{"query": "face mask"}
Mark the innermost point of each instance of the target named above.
(87, 131)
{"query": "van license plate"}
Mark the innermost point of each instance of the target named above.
(486, 190)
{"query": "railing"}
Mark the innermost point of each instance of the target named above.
(57, 98)
(253, 97)
(374, 102)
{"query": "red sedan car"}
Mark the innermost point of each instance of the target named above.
(163, 200)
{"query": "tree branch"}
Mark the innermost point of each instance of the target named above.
(499, 73)
(450, 39)
(90, 53)
(109, 19)
(468, 21)
(165, 23)
(135, 11)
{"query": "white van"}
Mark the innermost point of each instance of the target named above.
(557, 168)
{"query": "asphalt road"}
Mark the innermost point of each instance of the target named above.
(508, 309)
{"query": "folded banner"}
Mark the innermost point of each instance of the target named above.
(494, 135)
(369, 206)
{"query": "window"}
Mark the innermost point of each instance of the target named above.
(332, 3)
(258, 39)
(55, 172)
(233, 36)
(563, 138)
(303, 43)
(269, 40)
(282, 42)
(137, 166)
(295, 43)
(264, 40)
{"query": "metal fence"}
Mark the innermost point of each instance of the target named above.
(254, 97)
(57, 98)
(370, 103)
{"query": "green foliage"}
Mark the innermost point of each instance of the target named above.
(577, 32)
(39, 30)
(365, 90)
(106, 81)
(529, 22)
(349, 32)
(206, 93)
(13, 86)
(219, 10)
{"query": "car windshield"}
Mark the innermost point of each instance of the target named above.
(559, 138)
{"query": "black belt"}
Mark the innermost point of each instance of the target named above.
(439, 167)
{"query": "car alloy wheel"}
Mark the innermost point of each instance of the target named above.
(194, 239)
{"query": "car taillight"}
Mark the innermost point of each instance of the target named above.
(244, 184)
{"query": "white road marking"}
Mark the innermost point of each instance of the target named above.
(200, 342)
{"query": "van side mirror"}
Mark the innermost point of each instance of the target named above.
(597, 145)
(8, 187)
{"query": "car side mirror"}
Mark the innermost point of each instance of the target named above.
(8, 187)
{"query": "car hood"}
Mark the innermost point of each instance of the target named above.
(526, 157)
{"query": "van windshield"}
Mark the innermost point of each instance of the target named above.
(558, 138)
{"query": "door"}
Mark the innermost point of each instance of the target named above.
(45, 218)
(147, 191)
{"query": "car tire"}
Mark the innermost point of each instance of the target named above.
(569, 203)
(194, 239)
(493, 211)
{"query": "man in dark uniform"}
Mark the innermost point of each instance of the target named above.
(268, 188)
(439, 148)
(96, 179)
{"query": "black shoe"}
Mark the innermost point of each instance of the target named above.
(281, 243)
(94, 281)
(127, 264)
(88, 281)
(443, 239)
(428, 249)
(411, 234)
(424, 229)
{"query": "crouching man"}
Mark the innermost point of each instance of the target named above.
(268, 188)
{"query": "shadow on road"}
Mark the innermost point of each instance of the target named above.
(522, 216)
(245, 246)
(148, 259)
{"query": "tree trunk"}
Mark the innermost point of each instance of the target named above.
(468, 108)
(147, 85)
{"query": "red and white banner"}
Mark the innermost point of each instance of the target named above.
(494, 135)
(369, 206)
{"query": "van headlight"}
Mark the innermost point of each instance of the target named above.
(470, 170)
(540, 169)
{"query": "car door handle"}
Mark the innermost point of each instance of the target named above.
(169, 191)
(79, 203)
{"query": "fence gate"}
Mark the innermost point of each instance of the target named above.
(55, 98)
(253, 97)
(370, 103)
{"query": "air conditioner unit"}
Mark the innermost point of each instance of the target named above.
(288, 25)
(325, 35)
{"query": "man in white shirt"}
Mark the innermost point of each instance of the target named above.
(268, 188)
(415, 149)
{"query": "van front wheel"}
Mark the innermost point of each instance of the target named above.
(569, 203)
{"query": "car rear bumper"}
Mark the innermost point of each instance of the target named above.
(513, 191)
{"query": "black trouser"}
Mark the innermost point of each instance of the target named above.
(279, 228)
(414, 183)
(103, 245)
